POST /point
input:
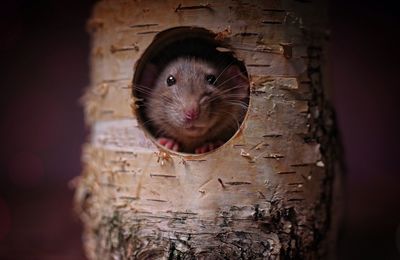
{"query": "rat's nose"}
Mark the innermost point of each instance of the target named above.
(192, 113)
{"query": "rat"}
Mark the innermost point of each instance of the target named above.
(193, 105)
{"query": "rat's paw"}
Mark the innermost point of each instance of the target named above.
(207, 147)
(168, 143)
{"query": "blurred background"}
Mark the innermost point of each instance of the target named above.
(44, 69)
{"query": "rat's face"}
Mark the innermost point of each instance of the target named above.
(191, 96)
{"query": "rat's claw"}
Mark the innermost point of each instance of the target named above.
(169, 143)
(208, 147)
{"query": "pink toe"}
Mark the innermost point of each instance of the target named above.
(169, 144)
(162, 141)
(175, 147)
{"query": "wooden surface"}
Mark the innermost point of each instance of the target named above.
(267, 193)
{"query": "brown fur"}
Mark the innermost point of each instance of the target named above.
(222, 105)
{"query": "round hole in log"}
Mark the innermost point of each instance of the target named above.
(191, 93)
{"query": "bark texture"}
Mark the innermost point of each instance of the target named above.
(271, 192)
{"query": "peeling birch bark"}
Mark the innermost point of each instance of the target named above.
(271, 192)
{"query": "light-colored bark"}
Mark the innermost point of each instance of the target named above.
(269, 193)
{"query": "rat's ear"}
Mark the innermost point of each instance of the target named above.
(148, 76)
(234, 77)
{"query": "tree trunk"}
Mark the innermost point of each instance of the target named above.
(271, 192)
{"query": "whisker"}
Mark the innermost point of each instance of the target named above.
(229, 79)
(234, 103)
(230, 64)
(230, 116)
(143, 89)
(223, 93)
(143, 86)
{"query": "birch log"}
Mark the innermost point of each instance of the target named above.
(271, 192)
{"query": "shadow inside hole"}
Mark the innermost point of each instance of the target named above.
(196, 44)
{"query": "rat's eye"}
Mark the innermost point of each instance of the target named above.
(171, 80)
(210, 79)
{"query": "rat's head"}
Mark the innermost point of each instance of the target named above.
(193, 97)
